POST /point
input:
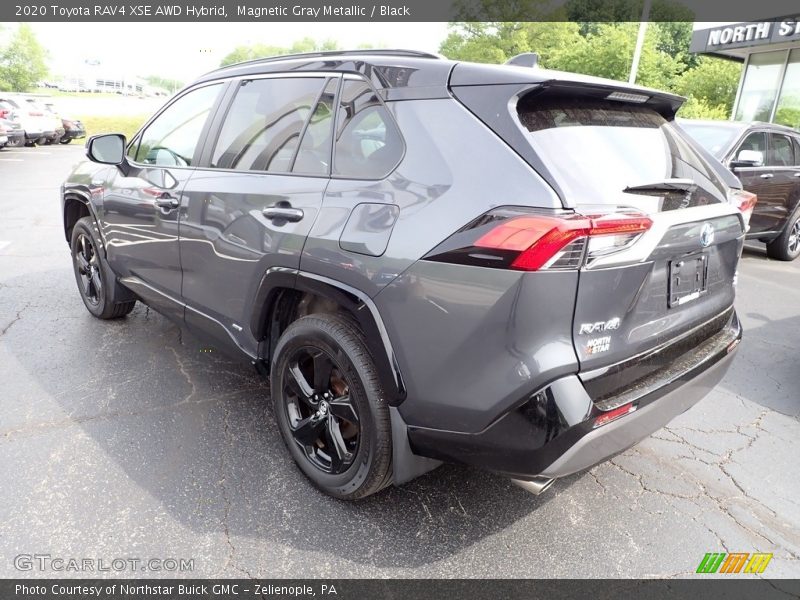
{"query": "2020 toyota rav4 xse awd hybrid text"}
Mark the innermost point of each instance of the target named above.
(517, 269)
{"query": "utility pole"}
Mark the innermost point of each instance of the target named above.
(637, 53)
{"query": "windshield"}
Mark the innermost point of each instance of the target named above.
(714, 138)
(596, 148)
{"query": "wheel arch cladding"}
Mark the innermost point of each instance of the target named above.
(275, 307)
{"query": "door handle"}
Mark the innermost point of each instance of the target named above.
(283, 211)
(767, 176)
(167, 202)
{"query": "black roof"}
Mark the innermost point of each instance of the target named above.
(402, 74)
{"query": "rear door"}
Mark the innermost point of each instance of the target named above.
(784, 184)
(251, 205)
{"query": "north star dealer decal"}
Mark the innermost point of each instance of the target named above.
(598, 345)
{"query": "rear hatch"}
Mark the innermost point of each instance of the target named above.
(669, 281)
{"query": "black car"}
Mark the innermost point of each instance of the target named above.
(517, 269)
(73, 130)
(766, 158)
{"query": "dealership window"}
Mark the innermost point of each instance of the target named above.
(788, 111)
(760, 87)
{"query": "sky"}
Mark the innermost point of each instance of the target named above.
(184, 51)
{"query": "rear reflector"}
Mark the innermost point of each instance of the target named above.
(613, 415)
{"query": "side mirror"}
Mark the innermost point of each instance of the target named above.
(748, 158)
(107, 149)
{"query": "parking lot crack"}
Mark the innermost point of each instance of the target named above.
(223, 482)
(14, 320)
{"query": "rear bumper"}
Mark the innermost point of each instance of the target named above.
(553, 433)
(608, 440)
(74, 134)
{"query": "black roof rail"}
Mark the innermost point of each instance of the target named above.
(324, 53)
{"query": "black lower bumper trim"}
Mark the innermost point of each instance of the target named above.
(537, 438)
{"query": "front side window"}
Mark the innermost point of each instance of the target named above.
(368, 143)
(172, 138)
(262, 128)
(756, 142)
(780, 151)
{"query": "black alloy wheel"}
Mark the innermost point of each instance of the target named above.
(330, 406)
(88, 269)
(322, 418)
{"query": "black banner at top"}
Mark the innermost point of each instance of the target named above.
(393, 10)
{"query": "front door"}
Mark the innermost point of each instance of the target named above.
(140, 210)
(757, 179)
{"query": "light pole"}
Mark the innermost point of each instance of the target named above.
(637, 53)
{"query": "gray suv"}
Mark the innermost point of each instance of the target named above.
(516, 269)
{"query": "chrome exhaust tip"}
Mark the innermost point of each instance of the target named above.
(536, 486)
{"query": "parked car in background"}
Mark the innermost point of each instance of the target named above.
(13, 132)
(37, 128)
(517, 269)
(766, 158)
(54, 129)
(73, 128)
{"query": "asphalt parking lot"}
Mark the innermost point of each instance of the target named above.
(132, 439)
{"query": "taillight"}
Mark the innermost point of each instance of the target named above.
(511, 239)
(745, 202)
(35, 113)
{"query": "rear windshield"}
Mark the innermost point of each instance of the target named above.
(595, 149)
(714, 138)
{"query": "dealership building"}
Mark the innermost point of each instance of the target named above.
(769, 89)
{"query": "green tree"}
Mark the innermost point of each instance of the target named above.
(608, 52)
(307, 44)
(697, 108)
(22, 61)
(497, 42)
(171, 85)
(713, 81)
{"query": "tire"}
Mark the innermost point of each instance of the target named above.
(102, 295)
(787, 245)
(65, 140)
(41, 141)
(346, 397)
(17, 143)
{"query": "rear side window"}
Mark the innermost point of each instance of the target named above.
(781, 153)
(596, 148)
(264, 123)
(368, 143)
(173, 137)
(314, 154)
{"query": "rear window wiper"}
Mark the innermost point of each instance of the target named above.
(660, 188)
